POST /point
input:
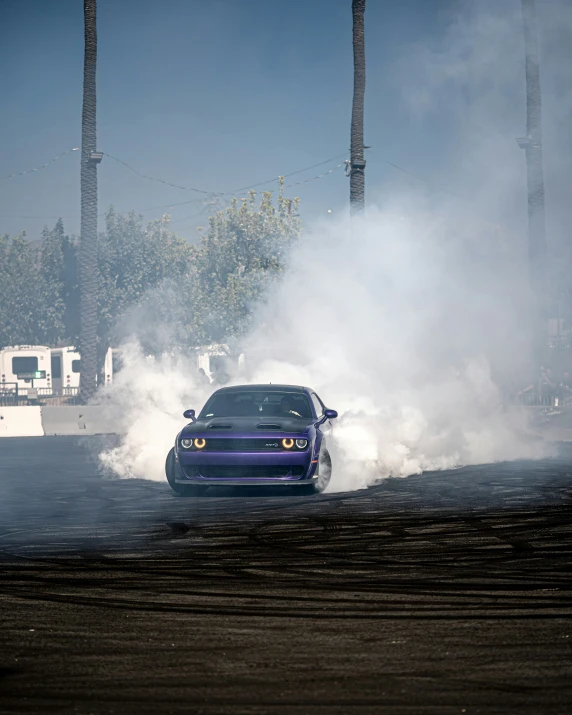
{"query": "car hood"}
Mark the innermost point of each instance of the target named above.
(257, 426)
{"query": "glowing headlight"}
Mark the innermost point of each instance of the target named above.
(186, 443)
(287, 443)
(200, 443)
(301, 443)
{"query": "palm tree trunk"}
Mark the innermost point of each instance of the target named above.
(88, 245)
(357, 161)
(535, 174)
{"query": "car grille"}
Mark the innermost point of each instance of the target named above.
(243, 472)
(243, 445)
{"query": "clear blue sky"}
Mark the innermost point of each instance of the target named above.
(215, 95)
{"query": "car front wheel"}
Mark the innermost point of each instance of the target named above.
(324, 475)
(181, 490)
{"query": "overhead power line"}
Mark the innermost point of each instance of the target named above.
(195, 215)
(37, 168)
(425, 181)
(154, 178)
(245, 188)
(208, 200)
(220, 193)
(224, 193)
(313, 178)
(210, 194)
(288, 186)
(286, 176)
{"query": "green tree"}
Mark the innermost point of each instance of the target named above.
(151, 282)
(246, 249)
(28, 314)
(58, 265)
(134, 261)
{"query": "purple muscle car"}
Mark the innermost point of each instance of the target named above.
(254, 435)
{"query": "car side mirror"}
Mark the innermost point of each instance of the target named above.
(328, 415)
(190, 415)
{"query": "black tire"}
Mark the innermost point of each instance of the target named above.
(324, 475)
(181, 490)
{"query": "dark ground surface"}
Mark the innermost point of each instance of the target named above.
(445, 593)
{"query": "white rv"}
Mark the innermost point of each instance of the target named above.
(26, 366)
(66, 368)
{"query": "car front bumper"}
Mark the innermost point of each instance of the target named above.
(245, 468)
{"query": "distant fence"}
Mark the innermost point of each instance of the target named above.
(533, 400)
(65, 398)
(11, 395)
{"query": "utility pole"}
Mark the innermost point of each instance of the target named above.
(532, 144)
(357, 161)
(88, 229)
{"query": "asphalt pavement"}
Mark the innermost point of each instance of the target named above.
(448, 592)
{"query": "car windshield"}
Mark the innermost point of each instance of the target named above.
(251, 403)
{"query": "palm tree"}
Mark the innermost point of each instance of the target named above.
(88, 243)
(357, 161)
(535, 175)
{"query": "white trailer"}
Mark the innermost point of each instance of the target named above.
(26, 366)
(66, 369)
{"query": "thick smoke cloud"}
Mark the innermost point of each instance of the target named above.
(411, 327)
(147, 400)
(412, 320)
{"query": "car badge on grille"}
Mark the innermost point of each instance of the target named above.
(271, 444)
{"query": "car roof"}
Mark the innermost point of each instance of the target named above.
(265, 388)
